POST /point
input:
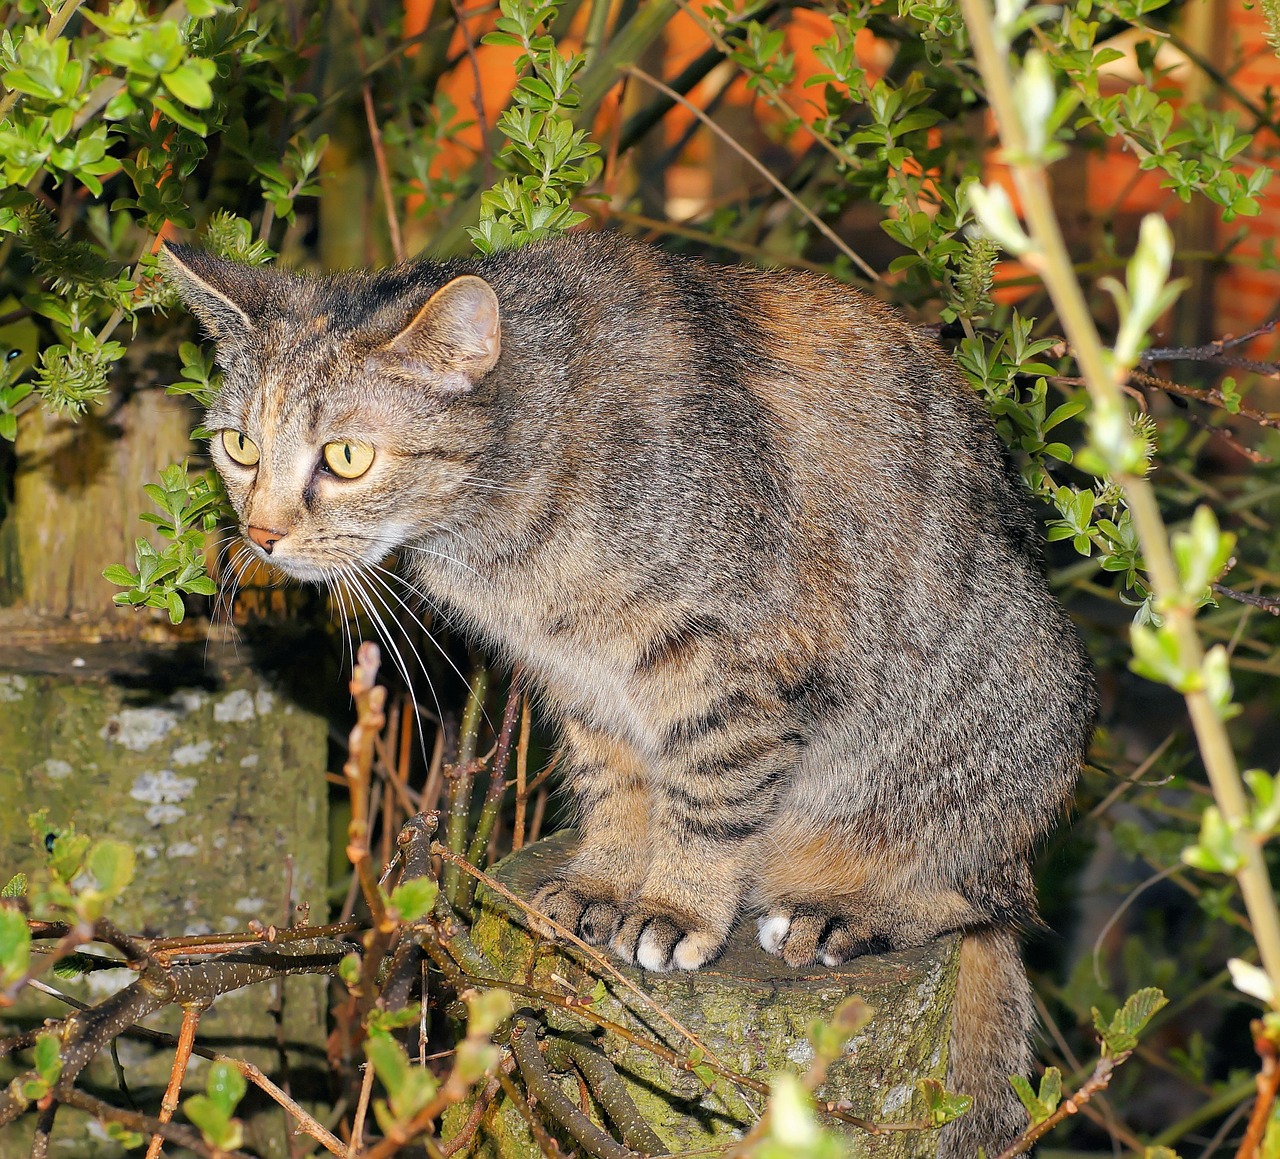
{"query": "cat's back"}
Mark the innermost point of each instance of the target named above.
(852, 408)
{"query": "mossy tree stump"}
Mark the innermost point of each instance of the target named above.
(749, 1009)
(214, 775)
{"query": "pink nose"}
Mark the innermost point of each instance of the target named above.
(265, 538)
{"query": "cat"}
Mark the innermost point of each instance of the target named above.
(758, 547)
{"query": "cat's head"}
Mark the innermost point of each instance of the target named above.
(346, 422)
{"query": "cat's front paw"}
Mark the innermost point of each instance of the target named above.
(661, 939)
(586, 908)
(804, 937)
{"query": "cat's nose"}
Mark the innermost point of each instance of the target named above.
(265, 538)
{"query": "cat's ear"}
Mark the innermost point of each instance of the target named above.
(455, 338)
(223, 295)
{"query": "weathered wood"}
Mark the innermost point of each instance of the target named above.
(77, 496)
(215, 777)
(749, 1009)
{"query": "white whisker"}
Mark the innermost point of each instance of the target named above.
(368, 596)
(441, 555)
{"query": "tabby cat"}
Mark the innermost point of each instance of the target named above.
(759, 549)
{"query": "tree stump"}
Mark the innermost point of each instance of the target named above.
(215, 776)
(749, 1009)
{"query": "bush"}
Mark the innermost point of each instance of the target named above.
(908, 146)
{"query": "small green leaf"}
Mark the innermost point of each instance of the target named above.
(941, 1104)
(112, 865)
(1120, 1035)
(47, 1059)
(16, 886)
(413, 899)
(15, 945)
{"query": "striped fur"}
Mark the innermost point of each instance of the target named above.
(759, 548)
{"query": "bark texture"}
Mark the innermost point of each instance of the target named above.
(750, 1010)
(215, 776)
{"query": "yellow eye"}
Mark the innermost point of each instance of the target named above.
(241, 448)
(348, 460)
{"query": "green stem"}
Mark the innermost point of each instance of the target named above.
(1100, 376)
(496, 792)
(462, 780)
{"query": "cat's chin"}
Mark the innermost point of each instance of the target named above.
(299, 569)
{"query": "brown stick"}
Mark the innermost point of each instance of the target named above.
(181, 1056)
(469, 1128)
(1269, 604)
(362, 1109)
(370, 701)
(1268, 1081)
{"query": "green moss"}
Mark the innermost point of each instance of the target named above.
(748, 1009)
(214, 788)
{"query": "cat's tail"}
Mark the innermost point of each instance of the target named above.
(990, 1040)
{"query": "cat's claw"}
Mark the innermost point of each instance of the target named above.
(805, 937)
(663, 942)
(587, 909)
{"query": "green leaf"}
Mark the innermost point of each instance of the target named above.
(1120, 1035)
(15, 945)
(124, 1137)
(225, 1086)
(112, 865)
(413, 899)
(48, 1061)
(16, 886)
(187, 82)
(942, 1105)
(1040, 1104)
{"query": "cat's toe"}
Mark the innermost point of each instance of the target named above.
(773, 931)
(598, 921)
(664, 941)
(583, 908)
(804, 937)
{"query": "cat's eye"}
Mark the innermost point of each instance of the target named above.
(347, 459)
(241, 448)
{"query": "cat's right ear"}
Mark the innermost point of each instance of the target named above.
(454, 340)
(223, 295)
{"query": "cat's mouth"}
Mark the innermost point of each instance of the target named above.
(288, 554)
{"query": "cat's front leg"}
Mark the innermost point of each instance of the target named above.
(714, 798)
(611, 787)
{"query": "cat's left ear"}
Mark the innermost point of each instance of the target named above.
(455, 338)
(225, 296)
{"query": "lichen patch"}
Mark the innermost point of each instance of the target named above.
(192, 754)
(234, 708)
(138, 729)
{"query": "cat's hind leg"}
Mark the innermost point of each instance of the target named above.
(830, 894)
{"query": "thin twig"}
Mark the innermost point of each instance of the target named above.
(522, 779)
(181, 1056)
(461, 778)
(821, 226)
(370, 700)
(467, 1132)
(384, 174)
(362, 1109)
(1268, 1083)
(1097, 1082)
(1269, 604)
